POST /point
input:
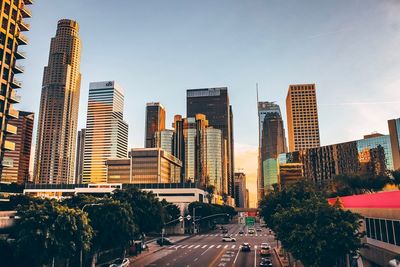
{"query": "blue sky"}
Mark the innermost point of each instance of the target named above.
(158, 49)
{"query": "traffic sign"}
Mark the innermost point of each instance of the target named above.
(250, 221)
(188, 217)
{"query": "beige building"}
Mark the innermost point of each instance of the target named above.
(59, 104)
(12, 25)
(302, 117)
(144, 166)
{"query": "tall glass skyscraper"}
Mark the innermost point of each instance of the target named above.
(59, 105)
(214, 104)
(272, 142)
(106, 132)
(394, 132)
(165, 139)
(214, 152)
(155, 122)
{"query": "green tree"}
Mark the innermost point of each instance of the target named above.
(396, 177)
(210, 189)
(314, 232)
(170, 211)
(147, 209)
(49, 231)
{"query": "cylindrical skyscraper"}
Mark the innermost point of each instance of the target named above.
(59, 104)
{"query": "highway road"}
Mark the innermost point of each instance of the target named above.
(209, 250)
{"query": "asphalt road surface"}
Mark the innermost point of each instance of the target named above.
(209, 250)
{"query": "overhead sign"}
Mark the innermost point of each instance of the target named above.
(250, 221)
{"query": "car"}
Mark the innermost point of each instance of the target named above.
(258, 230)
(164, 241)
(266, 262)
(251, 231)
(228, 238)
(241, 232)
(245, 247)
(265, 249)
(225, 231)
(120, 263)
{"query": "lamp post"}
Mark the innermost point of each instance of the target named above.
(194, 218)
(84, 206)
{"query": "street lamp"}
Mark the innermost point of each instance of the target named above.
(83, 208)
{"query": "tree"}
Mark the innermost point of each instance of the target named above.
(210, 189)
(225, 198)
(49, 231)
(396, 177)
(171, 212)
(344, 185)
(314, 232)
(147, 209)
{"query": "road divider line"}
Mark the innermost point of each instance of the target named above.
(216, 258)
(205, 251)
(236, 255)
(255, 256)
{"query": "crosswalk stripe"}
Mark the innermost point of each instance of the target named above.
(211, 246)
(204, 246)
(190, 246)
(233, 246)
(218, 246)
(255, 247)
(236, 234)
(245, 235)
(184, 246)
(197, 246)
(226, 246)
(178, 246)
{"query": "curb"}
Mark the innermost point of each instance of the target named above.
(279, 258)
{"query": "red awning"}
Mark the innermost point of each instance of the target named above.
(381, 200)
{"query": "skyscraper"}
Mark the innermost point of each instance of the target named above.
(272, 142)
(214, 150)
(59, 104)
(394, 132)
(240, 190)
(302, 117)
(214, 104)
(106, 132)
(155, 121)
(21, 156)
(12, 25)
(80, 148)
(165, 139)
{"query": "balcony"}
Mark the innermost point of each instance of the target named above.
(7, 162)
(11, 129)
(12, 113)
(28, 2)
(24, 27)
(22, 40)
(18, 69)
(20, 55)
(9, 145)
(15, 84)
(14, 98)
(26, 13)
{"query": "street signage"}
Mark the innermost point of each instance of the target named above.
(250, 221)
(180, 218)
(188, 217)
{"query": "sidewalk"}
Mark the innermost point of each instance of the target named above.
(154, 247)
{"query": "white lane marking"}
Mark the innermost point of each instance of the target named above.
(184, 246)
(218, 246)
(206, 250)
(172, 246)
(255, 254)
(204, 246)
(196, 259)
(236, 234)
(225, 246)
(190, 246)
(178, 246)
(211, 246)
(197, 246)
(236, 255)
(233, 246)
(245, 234)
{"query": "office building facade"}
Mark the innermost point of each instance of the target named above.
(144, 166)
(21, 155)
(106, 131)
(302, 117)
(214, 161)
(240, 190)
(59, 104)
(12, 17)
(214, 104)
(165, 139)
(80, 148)
(394, 133)
(155, 122)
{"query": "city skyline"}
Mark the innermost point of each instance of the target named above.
(337, 97)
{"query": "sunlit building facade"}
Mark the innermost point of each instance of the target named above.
(59, 105)
(155, 122)
(21, 155)
(214, 150)
(165, 139)
(394, 132)
(106, 131)
(80, 148)
(302, 117)
(12, 18)
(144, 166)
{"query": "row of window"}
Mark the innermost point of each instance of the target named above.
(387, 231)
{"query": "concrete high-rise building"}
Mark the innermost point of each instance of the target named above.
(394, 132)
(240, 190)
(165, 139)
(155, 122)
(214, 104)
(21, 155)
(214, 152)
(59, 105)
(302, 117)
(106, 131)
(272, 142)
(12, 25)
(80, 148)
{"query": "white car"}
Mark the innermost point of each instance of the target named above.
(228, 239)
(265, 249)
(121, 263)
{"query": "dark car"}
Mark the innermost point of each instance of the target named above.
(246, 247)
(241, 232)
(164, 241)
(266, 262)
(225, 231)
